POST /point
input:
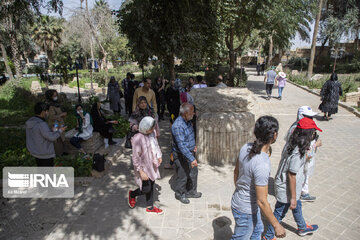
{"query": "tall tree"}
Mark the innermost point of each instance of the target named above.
(47, 33)
(168, 28)
(313, 44)
(14, 14)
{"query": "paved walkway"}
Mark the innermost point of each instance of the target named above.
(100, 211)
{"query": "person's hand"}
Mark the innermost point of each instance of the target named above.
(160, 161)
(136, 127)
(194, 163)
(64, 114)
(62, 129)
(279, 231)
(293, 203)
(195, 149)
(318, 143)
(143, 176)
(115, 122)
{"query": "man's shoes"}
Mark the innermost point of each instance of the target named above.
(154, 210)
(279, 98)
(131, 201)
(307, 198)
(193, 195)
(308, 230)
(182, 199)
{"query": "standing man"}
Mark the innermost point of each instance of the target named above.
(269, 81)
(184, 150)
(125, 87)
(39, 138)
(146, 92)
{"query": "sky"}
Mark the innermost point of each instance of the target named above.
(70, 5)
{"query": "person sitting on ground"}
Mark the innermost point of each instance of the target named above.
(56, 118)
(289, 178)
(39, 137)
(142, 110)
(220, 82)
(199, 82)
(251, 178)
(147, 92)
(84, 127)
(102, 125)
(146, 158)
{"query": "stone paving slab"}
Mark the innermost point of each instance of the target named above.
(100, 211)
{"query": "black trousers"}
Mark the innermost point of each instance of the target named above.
(49, 162)
(148, 190)
(269, 88)
(186, 179)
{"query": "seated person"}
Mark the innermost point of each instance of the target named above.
(84, 127)
(102, 125)
(142, 110)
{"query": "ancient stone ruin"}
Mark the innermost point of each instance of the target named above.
(224, 123)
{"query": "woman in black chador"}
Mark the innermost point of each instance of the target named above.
(330, 93)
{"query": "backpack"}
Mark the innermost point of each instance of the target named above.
(99, 162)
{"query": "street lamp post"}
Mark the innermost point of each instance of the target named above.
(336, 53)
(77, 79)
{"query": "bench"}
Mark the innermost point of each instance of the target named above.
(90, 146)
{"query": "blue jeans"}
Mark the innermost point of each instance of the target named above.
(247, 226)
(280, 212)
(280, 90)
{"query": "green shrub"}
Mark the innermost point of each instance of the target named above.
(82, 164)
(122, 128)
(16, 158)
(12, 139)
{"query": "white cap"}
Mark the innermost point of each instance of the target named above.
(307, 111)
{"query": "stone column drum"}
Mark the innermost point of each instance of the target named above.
(224, 123)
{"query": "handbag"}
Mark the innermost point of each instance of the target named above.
(128, 138)
(99, 162)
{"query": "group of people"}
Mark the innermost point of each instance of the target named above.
(272, 79)
(45, 136)
(252, 172)
(45, 132)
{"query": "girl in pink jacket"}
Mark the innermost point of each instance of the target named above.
(147, 158)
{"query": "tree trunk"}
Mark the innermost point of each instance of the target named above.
(171, 65)
(4, 55)
(271, 46)
(313, 44)
(230, 45)
(16, 58)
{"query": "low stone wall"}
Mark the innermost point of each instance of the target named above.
(90, 146)
(352, 97)
(224, 123)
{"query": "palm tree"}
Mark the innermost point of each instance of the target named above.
(47, 34)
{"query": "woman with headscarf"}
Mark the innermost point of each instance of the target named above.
(330, 93)
(84, 126)
(56, 119)
(102, 125)
(142, 110)
(173, 101)
(113, 94)
(146, 158)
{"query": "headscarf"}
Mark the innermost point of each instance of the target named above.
(139, 113)
(78, 117)
(146, 124)
(95, 110)
(333, 77)
(49, 99)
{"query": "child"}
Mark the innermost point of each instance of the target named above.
(280, 81)
(146, 158)
(290, 177)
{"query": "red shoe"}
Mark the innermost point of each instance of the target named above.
(154, 210)
(131, 201)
